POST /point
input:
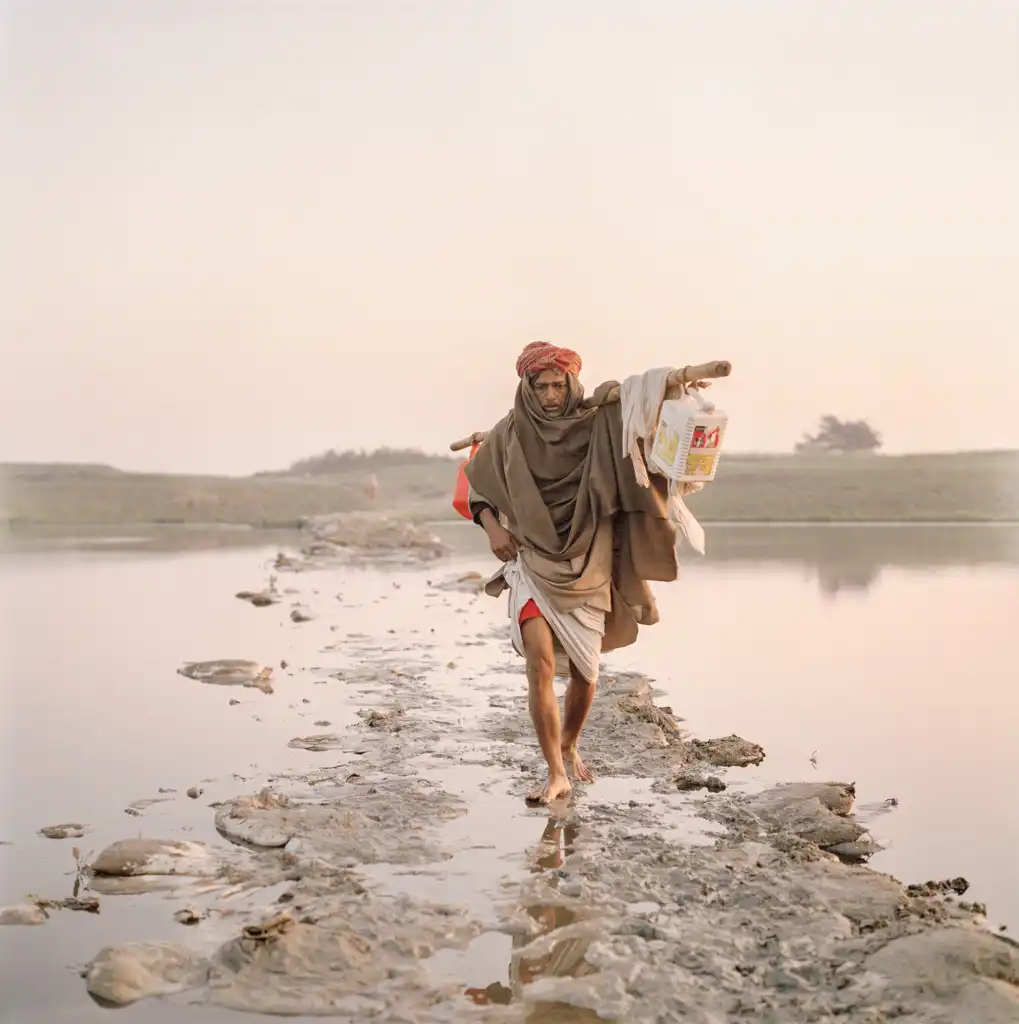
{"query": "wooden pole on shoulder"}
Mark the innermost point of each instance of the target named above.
(678, 379)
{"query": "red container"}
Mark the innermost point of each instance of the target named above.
(461, 490)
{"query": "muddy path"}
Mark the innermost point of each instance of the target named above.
(397, 874)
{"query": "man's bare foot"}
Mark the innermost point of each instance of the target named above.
(571, 757)
(555, 788)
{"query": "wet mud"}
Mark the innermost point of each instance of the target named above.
(397, 875)
(230, 672)
(22, 914)
(69, 830)
(358, 538)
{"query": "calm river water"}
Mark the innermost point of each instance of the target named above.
(888, 656)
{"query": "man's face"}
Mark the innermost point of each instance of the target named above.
(551, 388)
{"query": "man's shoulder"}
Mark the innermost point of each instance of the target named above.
(502, 427)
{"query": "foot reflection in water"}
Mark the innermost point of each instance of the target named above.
(557, 843)
(563, 958)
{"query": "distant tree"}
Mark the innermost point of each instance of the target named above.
(835, 435)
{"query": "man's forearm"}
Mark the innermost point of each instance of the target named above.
(487, 518)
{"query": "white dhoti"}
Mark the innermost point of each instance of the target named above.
(577, 634)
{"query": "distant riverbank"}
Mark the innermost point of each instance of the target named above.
(964, 487)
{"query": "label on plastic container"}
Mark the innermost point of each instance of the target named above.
(688, 440)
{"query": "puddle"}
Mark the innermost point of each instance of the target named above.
(483, 968)
(485, 843)
(495, 966)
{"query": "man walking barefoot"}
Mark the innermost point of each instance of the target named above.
(578, 537)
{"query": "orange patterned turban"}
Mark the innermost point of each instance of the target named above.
(543, 355)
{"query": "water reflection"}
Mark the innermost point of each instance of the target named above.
(840, 557)
(832, 580)
(851, 558)
(557, 958)
(153, 538)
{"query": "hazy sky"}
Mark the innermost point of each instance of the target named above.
(236, 233)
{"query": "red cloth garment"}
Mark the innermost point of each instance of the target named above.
(530, 611)
(543, 355)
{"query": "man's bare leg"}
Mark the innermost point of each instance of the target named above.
(579, 697)
(544, 708)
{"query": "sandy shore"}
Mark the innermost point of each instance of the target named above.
(665, 891)
(979, 487)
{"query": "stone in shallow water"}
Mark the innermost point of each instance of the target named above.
(688, 781)
(815, 811)
(726, 752)
(130, 857)
(22, 913)
(255, 819)
(319, 742)
(229, 672)
(120, 975)
(69, 830)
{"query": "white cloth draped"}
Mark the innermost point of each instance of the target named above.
(577, 633)
(641, 397)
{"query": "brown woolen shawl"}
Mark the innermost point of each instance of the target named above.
(588, 533)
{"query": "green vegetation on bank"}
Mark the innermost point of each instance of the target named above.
(963, 487)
